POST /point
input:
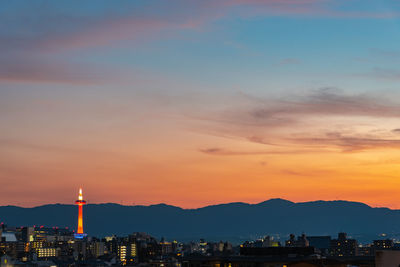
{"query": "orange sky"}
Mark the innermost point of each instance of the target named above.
(184, 161)
(193, 103)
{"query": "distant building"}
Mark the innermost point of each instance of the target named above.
(365, 251)
(28, 234)
(166, 247)
(343, 247)
(383, 244)
(267, 241)
(41, 233)
(301, 241)
(122, 253)
(97, 249)
(271, 261)
(133, 250)
(47, 252)
(9, 237)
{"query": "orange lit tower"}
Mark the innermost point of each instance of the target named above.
(80, 202)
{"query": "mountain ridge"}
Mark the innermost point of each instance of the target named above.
(235, 221)
(278, 200)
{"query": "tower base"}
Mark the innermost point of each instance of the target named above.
(80, 236)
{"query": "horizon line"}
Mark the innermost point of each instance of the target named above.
(205, 206)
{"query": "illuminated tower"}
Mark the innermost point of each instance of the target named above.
(80, 202)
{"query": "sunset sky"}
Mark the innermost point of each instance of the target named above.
(193, 103)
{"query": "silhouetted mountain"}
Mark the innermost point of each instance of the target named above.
(233, 221)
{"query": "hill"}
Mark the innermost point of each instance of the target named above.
(232, 221)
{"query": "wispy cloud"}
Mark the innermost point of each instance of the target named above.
(30, 70)
(289, 111)
(308, 173)
(350, 143)
(311, 122)
(383, 74)
(57, 30)
(225, 152)
(16, 144)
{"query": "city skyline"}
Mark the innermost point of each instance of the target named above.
(195, 103)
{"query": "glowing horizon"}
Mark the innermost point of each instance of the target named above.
(194, 103)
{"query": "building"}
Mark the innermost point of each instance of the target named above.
(365, 250)
(383, 244)
(166, 247)
(28, 234)
(270, 261)
(9, 237)
(46, 252)
(267, 241)
(97, 249)
(133, 250)
(281, 252)
(301, 241)
(122, 253)
(343, 247)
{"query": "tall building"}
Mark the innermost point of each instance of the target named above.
(80, 202)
